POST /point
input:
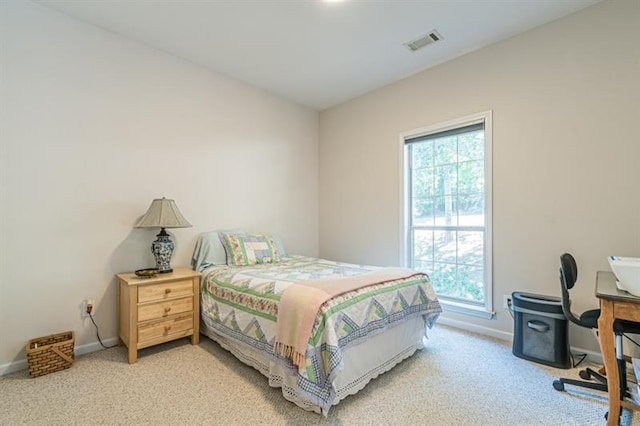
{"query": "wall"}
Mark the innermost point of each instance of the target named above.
(94, 126)
(566, 105)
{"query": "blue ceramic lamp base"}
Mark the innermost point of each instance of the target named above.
(162, 249)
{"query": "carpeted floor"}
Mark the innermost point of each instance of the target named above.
(458, 379)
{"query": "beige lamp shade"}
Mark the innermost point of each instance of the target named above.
(163, 213)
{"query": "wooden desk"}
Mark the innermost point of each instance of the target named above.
(614, 304)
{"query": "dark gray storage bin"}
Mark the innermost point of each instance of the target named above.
(541, 330)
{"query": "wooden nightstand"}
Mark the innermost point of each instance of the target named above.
(159, 309)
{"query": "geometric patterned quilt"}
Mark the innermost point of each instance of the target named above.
(241, 303)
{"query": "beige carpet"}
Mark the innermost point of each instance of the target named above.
(458, 379)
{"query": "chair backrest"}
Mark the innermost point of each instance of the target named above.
(568, 278)
(568, 270)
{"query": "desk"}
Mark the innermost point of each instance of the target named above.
(614, 304)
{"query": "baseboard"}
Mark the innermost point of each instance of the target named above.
(94, 346)
(12, 367)
(592, 356)
(22, 364)
(486, 331)
(595, 357)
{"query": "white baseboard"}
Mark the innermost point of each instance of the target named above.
(22, 364)
(94, 346)
(592, 356)
(595, 357)
(14, 366)
(486, 331)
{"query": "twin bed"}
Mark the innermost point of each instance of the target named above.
(358, 321)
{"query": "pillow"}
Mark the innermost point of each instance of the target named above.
(209, 250)
(280, 246)
(249, 249)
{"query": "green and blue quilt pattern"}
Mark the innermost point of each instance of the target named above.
(242, 304)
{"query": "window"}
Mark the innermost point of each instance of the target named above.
(447, 211)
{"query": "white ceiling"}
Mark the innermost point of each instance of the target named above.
(316, 53)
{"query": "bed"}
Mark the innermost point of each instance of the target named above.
(353, 335)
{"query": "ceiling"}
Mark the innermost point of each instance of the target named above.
(316, 53)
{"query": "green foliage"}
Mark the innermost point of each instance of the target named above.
(447, 178)
(448, 189)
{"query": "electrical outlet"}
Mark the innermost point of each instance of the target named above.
(506, 301)
(84, 307)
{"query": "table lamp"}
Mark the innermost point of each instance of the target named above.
(163, 213)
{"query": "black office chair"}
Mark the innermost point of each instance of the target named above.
(589, 319)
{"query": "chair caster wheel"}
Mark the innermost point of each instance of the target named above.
(558, 385)
(585, 375)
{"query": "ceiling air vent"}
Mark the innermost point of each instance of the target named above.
(423, 41)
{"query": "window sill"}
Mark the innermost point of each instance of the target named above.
(463, 308)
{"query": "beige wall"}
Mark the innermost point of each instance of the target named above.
(566, 151)
(95, 126)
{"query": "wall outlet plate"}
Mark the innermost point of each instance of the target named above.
(506, 301)
(83, 307)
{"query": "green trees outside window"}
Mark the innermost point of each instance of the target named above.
(447, 219)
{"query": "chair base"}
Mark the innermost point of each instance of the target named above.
(600, 385)
(588, 374)
(559, 385)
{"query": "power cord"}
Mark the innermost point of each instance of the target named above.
(631, 340)
(89, 309)
(573, 361)
(510, 308)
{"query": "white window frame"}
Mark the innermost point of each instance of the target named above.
(486, 310)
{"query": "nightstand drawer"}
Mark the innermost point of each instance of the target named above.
(155, 330)
(150, 293)
(164, 309)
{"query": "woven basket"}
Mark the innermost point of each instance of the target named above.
(48, 354)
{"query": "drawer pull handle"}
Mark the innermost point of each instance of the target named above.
(166, 310)
(166, 330)
(167, 290)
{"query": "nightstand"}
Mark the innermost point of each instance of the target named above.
(159, 309)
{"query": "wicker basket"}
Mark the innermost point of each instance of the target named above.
(48, 354)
